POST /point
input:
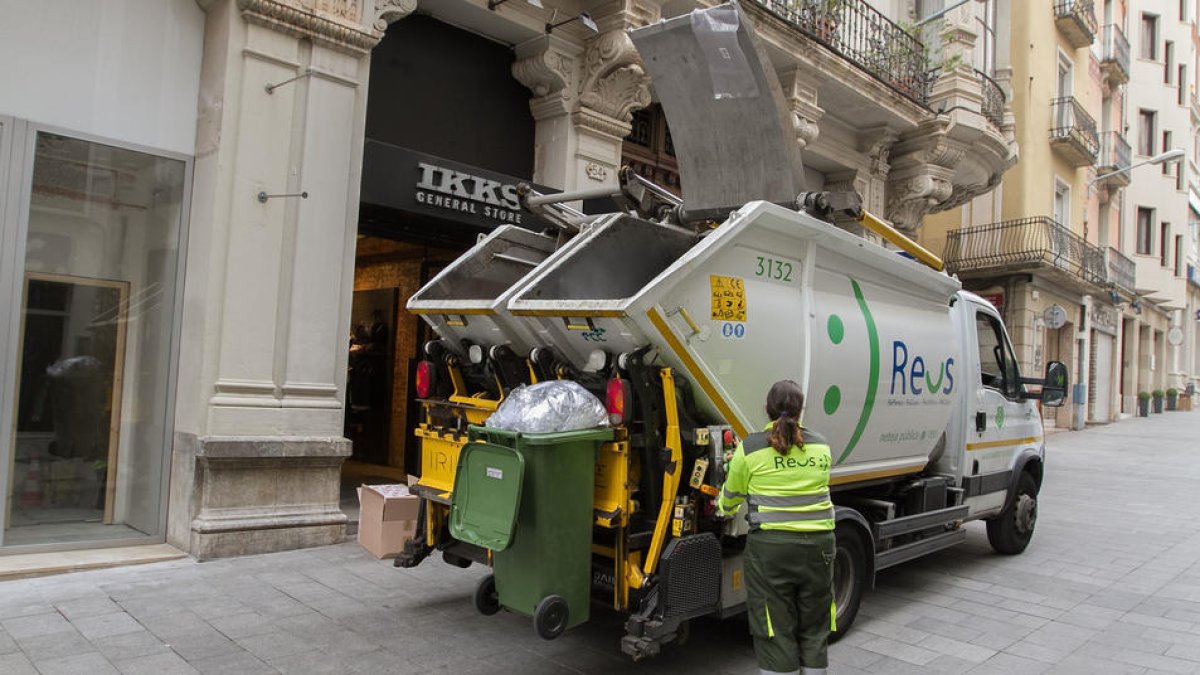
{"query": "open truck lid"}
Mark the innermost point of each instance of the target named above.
(732, 133)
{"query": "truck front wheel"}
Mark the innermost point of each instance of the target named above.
(1010, 532)
(849, 578)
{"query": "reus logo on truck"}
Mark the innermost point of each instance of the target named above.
(915, 377)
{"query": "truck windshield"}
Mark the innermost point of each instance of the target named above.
(997, 366)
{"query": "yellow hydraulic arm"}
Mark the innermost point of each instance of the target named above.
(670, 478)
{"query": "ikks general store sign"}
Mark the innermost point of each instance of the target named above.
(418, 183)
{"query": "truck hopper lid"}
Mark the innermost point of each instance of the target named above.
(733, 138)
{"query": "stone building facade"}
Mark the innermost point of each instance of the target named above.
(316, 163)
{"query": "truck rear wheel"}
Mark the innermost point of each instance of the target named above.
(1010, 532)
(849, 578)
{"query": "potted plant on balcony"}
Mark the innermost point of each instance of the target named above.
(1171, 394)
(826, 15)
(1158, 397)
(1143, 404)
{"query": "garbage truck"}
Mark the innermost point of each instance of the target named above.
(679, 314)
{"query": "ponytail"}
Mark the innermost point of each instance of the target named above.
(785, 401)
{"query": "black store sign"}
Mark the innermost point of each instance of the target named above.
(421, 184)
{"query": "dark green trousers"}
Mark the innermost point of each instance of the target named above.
(789, 589)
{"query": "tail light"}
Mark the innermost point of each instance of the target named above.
(619, 401)
(424, 378)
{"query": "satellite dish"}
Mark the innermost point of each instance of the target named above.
(1055, 316)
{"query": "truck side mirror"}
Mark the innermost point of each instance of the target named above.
(1054, 386)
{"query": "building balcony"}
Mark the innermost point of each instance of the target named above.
(862, 35)
(1115, 155)
(863, 101)
(1076, 20)
(1038, 245)
(1073, 132)
(1122, 271)
(1115, 61)
(994, 101)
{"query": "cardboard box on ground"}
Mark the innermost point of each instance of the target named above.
(387, 518)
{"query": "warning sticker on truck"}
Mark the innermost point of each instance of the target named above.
(728, 298)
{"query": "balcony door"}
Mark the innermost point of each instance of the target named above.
(1060, 244)
(1064, 90)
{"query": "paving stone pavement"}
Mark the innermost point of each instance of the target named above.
(1110, 584)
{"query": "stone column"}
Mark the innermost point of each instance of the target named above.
(550, 68)
(614, 84)
(259, 446)
(585, 89)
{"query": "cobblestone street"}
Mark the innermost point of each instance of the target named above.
(1111, 584)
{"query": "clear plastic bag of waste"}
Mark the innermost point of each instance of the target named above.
(547, 407)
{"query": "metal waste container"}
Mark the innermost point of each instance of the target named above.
(542, 563)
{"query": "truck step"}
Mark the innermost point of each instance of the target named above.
(916, 549)
(921, 521)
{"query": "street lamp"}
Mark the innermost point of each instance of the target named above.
(1168, 156)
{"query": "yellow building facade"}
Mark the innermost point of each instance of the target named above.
(1051, 245)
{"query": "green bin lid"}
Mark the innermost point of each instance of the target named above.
(516, 439)
(487, 495)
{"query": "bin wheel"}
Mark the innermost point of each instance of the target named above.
(550, 617)
(487, 601)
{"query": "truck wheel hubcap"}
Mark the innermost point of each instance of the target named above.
(1026, 513)
(843, 578)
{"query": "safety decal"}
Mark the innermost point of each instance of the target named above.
(728, 298)
(733, 330)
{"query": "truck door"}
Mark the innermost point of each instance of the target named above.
(1002, 424)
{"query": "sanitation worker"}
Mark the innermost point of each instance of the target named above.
(783, 473)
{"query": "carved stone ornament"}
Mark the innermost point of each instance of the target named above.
(596, 172)
(806, 129)
(910, 200)
(390, 11)
(800, 95)
(350, 10)
(614, 82)
(335, 23)
(880, 151)
(544, 71)
(921, 168)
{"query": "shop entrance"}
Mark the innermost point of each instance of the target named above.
(436, 174)
(384, 344)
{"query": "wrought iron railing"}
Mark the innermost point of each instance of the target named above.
(1114, 151)
(1116, 47)
(1082, 10)
(1122, 271)
(1039, 241)
(1072, 122)
(993, 99)
(863, 36)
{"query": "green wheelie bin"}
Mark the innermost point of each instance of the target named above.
(528, 498)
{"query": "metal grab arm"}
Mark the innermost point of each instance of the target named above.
(633, 194)
(901, 241)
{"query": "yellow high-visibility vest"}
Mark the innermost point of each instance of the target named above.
(784, 492)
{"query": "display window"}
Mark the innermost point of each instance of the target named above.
(89, 360)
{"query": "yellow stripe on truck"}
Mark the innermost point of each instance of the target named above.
(1002, 443)
(872, 475)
